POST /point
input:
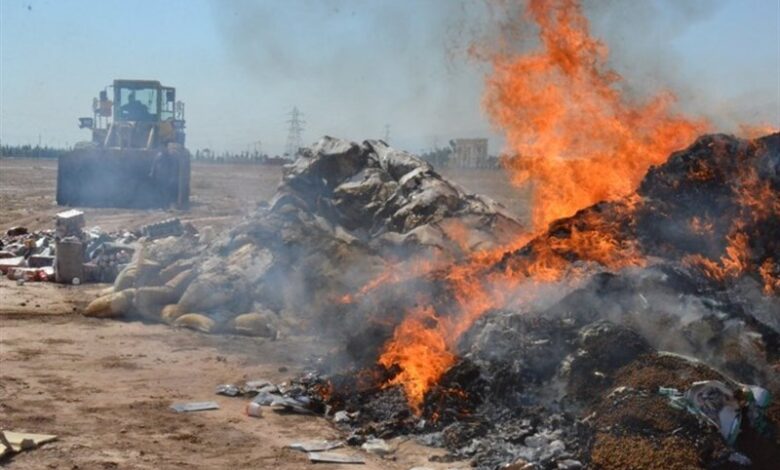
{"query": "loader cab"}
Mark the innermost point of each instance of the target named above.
(137, 101)
(142, 114)
(136, 157)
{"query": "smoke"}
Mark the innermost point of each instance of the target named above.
(650, 47)
(354, 67)
(644, 39)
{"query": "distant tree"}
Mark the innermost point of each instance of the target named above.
(439, 157)
(28, 151)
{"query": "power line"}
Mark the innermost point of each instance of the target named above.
(295, 132)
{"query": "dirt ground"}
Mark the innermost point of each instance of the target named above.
(221, 193)
(104, 387)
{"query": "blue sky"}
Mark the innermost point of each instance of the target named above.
(353, 66)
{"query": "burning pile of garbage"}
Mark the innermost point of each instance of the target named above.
(551, 337)
(624, 329)
(544, 351)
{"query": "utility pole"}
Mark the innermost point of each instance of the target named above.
(387, 133)
(295, 132)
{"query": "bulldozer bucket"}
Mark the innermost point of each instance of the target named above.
(129, 178)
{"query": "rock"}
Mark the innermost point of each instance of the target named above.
(196, 321)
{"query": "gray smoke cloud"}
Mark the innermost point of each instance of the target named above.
(354, 67)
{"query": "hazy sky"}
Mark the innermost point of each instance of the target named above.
(352, 66)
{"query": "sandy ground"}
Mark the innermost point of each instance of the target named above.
(104, 386)
(220, 193)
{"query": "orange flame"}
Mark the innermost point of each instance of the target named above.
(419, 347)
(575, 135)
(578, 140)
(754, 131)
(758, 201)
(769, 275)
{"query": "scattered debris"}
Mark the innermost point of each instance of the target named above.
(254, 409)
(165, 228)
(69, 262)
(228, 390)
(16, 231)
(65, 253)
(9, 263)
(316, 446)
(341, 417)
(722, 405)
(740, 459)
(265, 398)
(332, 457)
(194, 406)
(377, 446)
(69, 223)
(256, 386)
(287, 404)
(12, 442)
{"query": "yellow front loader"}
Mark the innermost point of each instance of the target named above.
(136, 157)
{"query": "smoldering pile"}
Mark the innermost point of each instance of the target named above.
(342, 212)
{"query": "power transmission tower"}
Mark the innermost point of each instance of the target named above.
(387, 133)
(295, 132)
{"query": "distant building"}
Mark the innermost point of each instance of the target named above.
(470, 153)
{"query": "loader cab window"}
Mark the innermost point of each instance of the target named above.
(138, 104)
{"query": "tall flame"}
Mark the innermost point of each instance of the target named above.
(572, 132)
(578, 140)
